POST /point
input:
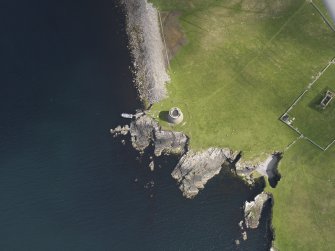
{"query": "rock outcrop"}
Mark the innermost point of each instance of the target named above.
(194, 169)
(169, 142)
(253, 210)
(144, 130)
(120, 130)
(147, 50)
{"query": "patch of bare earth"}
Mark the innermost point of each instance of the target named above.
(174, 36)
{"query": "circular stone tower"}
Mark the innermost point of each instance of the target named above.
(175, 115)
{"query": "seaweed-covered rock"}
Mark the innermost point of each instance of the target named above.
(144, 130)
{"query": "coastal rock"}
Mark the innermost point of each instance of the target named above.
(142, 132)
(194, 169)
(170, 142)
(253, 210)
(244, 235)
(147, 50)
(152, 166)
(120, 130)
(273, 249)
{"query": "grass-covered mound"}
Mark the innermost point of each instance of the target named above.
(244, 64)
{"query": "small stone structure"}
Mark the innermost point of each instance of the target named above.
(326, 100)
(175, 115)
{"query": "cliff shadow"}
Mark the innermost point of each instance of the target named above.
(163, 115)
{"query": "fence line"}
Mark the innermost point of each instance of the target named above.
(298, 99)
(323, 16)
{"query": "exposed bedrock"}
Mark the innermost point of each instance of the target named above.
(147, 50)
(169, 142)
(144, 130)
(253, 210)
(266, 168)
(194, 169)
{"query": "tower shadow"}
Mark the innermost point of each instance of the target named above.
(163, 115)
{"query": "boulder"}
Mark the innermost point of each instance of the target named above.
(142, 131)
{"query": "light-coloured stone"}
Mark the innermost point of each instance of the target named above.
(194, 169)
(253, 210)
(152, 166)
(142, 132)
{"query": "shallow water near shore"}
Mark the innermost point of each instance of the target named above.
(65, 183)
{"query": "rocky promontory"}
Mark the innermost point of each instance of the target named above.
(147, 50)
(194, 169)
(253, 210)
(144, 131)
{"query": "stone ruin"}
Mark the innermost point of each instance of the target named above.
(175, 116)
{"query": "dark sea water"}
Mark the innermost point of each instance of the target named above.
(65, 183)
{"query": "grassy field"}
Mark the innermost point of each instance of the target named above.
(311, 120)
(243, 66)
(304, 201)
(245, 62)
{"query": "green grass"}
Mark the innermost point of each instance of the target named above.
(304, 201)
(245, 62)
(243, 65)
(311, 120)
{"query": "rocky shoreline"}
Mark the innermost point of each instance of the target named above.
(195, 168)
(147, 50)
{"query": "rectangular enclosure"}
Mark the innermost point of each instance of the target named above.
(314, 113)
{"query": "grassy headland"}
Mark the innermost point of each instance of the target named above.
(244, 64)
